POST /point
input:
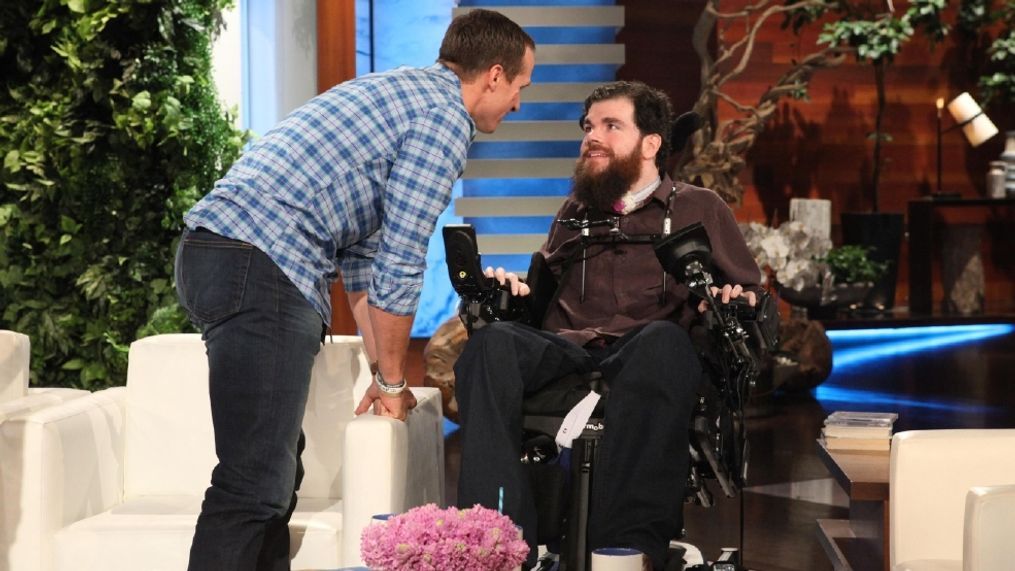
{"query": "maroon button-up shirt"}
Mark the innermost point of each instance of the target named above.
(624, 282)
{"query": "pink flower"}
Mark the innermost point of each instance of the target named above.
(431, 538)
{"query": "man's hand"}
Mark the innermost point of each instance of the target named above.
(393, 406)
(518, 287)
(727, 293)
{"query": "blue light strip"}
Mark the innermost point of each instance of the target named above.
(554, 35)
(510, 224)
(880, 334)
(510, 262)
(524, 149)
(905, 340)
(497, 187)
(539, 111)
(890, 401)
(574, 72)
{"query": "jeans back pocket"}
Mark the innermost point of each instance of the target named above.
(212, 275)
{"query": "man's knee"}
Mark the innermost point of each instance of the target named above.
(493, 346)
(663, 339)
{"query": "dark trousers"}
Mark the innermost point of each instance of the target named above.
(261, 336)
(653, 375)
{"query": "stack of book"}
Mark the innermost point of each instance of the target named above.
(846, 430)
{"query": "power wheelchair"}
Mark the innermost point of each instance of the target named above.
(737, 338)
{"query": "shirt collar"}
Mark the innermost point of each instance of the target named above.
(446, 74)
(662, 192)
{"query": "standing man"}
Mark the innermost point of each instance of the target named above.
(353, 180)
(615, 310)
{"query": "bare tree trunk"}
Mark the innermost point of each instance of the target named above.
(720, 148)
(879, 81)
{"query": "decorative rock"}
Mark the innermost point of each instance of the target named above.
(962, 268)
(814, 213)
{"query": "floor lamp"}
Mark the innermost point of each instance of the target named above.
(968, 115)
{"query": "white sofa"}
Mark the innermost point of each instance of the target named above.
(952, 504)
(114, 481)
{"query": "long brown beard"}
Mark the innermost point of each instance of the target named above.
(601, 190)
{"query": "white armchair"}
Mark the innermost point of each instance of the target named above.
(15, 396)
(952, 503)
(115, 480)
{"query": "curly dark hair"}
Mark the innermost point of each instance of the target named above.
(653, 112)
(480, 39)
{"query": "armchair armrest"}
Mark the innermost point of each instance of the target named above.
(989, 526)
(61, 464)
(390, 466)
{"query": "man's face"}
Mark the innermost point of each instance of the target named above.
(610, 133)
(503, 96)
(612, 157)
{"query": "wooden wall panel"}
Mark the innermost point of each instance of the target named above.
(336, 62)
(819, 148)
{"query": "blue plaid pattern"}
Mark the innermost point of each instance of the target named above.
(353, 180)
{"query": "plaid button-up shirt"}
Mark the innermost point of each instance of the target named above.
(354, 179)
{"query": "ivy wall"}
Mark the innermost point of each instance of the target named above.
(110, 129)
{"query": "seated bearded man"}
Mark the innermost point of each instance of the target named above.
(615, 311)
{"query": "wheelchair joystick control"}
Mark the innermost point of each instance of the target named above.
(483, 299)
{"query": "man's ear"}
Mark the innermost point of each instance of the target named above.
(650, 145)
(493, 76)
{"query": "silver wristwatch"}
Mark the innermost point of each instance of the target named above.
(386, 388)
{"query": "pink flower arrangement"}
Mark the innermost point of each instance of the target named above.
(431, 538)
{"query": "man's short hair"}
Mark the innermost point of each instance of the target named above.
(653, 112)
(480, 39)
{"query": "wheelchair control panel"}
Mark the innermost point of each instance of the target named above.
(483, 299)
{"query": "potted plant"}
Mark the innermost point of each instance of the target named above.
(876, 34)
(808, 272)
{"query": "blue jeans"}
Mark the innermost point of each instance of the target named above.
(638, 487)
(261, 336)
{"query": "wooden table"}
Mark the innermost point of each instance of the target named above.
(923, 229)
(861, 542)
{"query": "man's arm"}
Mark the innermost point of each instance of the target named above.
(730, 255)
(386, 339)
(430, 159)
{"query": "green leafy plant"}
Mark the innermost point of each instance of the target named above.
(110, 129)
(976, 19)
(850, 264)
(877, 36)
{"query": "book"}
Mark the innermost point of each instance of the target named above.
(849, 424)
(833, 443)
(857, 431)
(872, 418)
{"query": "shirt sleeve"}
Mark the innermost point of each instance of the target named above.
(356, 261)
(430, 159)
(730, 254)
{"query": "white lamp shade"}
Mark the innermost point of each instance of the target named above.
(979, 127)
